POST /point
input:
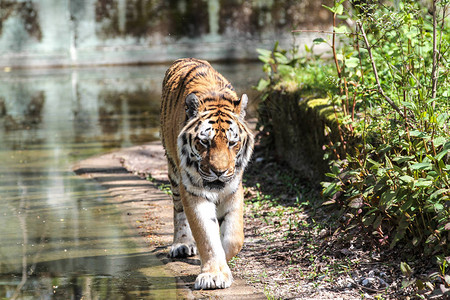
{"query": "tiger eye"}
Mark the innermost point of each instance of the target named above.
(203, 142)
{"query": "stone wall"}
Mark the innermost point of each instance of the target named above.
(300, 124)
(86, 32)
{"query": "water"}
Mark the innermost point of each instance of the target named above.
(62, 236)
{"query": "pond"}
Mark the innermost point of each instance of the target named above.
(62, 236)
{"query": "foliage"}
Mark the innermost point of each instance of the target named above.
(398, 179)
(391, 90)
(288, 69)
(287, 72)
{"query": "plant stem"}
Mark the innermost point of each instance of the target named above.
(374, 68)
(434, 72)
(333, 47)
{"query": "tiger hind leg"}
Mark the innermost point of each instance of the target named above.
(183, 242)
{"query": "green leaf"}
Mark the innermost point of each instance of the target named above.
(264, 52)
(438, 192)
(285, 70)
(281, 58)
(386, 199)
(419, 134)
(339, 9)
(331, 189)
(441, 154)
(423, 183)
(262, 84)
(331, 175)
(401, 159)
(374, 163)
(438, 207)
(378, 221)
(406, 178)
(439, 141)
(406, 269)
(408, 203)
(329, 8)
(422, 166)
(318, 41)
(341, 29)
(352, 62)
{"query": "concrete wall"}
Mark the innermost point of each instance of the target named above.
(86, 32)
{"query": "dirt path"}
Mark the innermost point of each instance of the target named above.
(149, 211)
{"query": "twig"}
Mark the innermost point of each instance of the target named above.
(374, 67)
(323, 31)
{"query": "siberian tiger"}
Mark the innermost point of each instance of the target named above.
(207, 145)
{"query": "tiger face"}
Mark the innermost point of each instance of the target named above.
(213, 146)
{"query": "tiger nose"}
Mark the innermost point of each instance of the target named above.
(218, 172)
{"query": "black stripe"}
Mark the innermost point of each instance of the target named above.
(184, 139)
(184, 151)
(199, 74)
(172, 164)
(182, 85)
(192, 124)
(173, 183)
(192, 193)
(223, 96)
(189, 162)
(191, 179)
(220, 78)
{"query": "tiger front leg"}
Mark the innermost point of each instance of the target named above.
(215, 272)
(183, 242)
(231, 219)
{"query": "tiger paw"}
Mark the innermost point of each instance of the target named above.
(182, 250)
(213, 280)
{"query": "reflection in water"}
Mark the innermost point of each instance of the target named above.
(61, 236)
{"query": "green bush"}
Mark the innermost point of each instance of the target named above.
(395, 95)
(391, 95)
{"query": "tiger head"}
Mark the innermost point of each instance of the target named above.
(215, 145)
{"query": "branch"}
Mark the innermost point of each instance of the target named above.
(323, 31)
(374, 67)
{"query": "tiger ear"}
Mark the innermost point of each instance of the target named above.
(191, 106)
(242, 104)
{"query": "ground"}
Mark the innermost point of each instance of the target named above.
(295, 247)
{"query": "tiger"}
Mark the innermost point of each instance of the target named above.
(208, 145)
